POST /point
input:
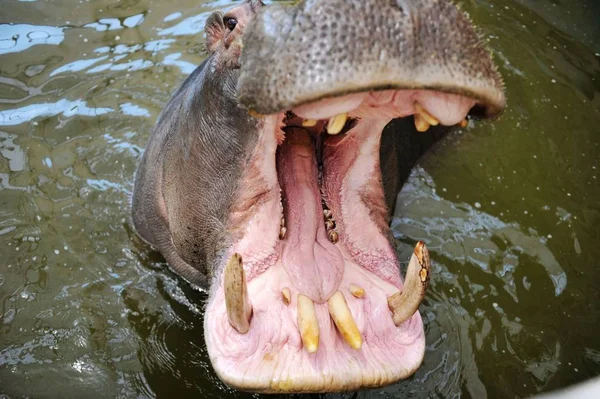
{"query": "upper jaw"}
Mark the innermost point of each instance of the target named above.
(288, 61)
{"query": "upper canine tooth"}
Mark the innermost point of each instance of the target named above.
(421, 124)
(337, 123)
(432, 120)
(237, 302)
(405, 303)
(309, 122)
(340, 313)
(307, 323)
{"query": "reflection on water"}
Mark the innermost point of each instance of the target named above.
(510, 209)
(467, 235)
(20, 37)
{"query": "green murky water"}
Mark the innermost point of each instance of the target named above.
(510, 209)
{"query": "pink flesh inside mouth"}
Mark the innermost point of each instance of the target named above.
(294, 174)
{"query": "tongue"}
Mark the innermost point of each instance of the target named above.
(312, 262)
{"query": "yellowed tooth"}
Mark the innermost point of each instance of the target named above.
(309, 122)
(286, 295)
(237, 302)
(255, 114)
(330, 224)
(282, 233)
(421, 124)
(327, 214)
(405, 303)
(307, 323)
(356, 291)
(337, 123)
(333, 236)
(464, 123)
(340, 313)
(432, 120)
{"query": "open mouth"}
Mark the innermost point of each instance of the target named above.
(311, 298)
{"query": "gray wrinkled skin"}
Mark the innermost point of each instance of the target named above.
(188, 176)
(320, 48)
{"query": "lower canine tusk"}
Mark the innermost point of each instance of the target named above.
(237, 302)
(405, 303)
(308, 324)
(340, 313)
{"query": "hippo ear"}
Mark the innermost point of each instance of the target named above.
(215, 30)
(255, 5)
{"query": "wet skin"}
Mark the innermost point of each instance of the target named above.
(269, 182)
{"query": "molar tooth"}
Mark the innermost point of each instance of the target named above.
(282, 222)
(432, 120)
(237, 302)
(333, 236)
(421, 124)
(337, 123)
(405, 303)
(307, 323)
(330, 224)
(356, 291)
(309, 122)
(340, 313)
(282, 232)
(327, 214)
(286, 295)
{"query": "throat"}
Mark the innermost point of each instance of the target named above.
(312, 261)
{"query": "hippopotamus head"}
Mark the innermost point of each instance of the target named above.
(263, 182)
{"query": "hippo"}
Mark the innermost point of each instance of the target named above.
(270, 177)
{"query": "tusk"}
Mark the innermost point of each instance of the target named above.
(405, 303)
(307, 323)
(337, 123)
(237, 302)
(340, 313)
(427, 117)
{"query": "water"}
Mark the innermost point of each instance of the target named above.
(510, 209)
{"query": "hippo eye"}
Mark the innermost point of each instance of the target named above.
(230, 23)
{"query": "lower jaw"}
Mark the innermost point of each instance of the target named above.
(271, 357)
